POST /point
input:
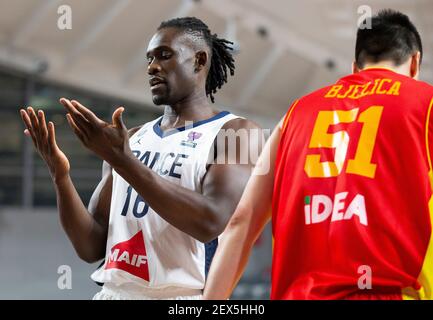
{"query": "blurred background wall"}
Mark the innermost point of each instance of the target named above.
(283, 50)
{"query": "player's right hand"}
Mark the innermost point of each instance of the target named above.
(44, 139)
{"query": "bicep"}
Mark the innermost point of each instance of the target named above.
(232, 165)
(223, 185)
(254, 209)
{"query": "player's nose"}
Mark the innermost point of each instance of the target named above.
(153, 68)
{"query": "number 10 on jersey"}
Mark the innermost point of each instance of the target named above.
(320, 138)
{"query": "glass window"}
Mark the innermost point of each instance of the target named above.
(11, 133)
(85, 166)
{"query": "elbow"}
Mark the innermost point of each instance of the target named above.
(85, 257)
(240, 224)
(90, 260)
(211, 228)
(217, 222)
(207, 237)
(236, 225)
(88, 257)
(208, 233)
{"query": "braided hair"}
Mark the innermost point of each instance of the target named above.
(221, 58)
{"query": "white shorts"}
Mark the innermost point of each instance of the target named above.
(111, 292)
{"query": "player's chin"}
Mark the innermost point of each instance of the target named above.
(159, 99)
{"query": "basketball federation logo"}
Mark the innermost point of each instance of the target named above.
(192, 137)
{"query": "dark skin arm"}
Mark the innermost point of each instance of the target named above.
(224, 183)
(86, 228)
(203, 216)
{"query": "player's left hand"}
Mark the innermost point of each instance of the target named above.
(107, 140)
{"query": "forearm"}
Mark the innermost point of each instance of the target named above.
(83, 231)
(86, 235)
(225, 272)
(185, 209)
(247, 223)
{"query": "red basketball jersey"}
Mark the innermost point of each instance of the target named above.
(353, 190)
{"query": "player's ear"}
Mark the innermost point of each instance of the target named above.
(355, 68)
(201, 58)
(415, 65)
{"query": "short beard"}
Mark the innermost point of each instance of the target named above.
(163, 98)
(159, 100)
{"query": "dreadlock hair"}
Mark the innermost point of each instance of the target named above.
(221, 57)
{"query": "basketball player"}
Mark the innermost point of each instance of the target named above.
(162, 202)
(350, 185)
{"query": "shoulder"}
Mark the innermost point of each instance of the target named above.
(133, 130)
(426, 88)
(242, 137)
(240, 123)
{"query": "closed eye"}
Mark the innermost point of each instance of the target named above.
(165, 55)
(161, 53)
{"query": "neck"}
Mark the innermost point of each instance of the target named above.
(401, 69)
(193, 108)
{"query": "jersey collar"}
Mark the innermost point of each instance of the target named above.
(161, 134)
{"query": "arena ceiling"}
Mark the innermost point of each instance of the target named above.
(285, 48)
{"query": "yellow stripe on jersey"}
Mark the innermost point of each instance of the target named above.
(286, 119)
(425, 278)
(379, 67)
(427, 145)
(285, 123)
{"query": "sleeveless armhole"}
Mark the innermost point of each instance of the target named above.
(287, 116)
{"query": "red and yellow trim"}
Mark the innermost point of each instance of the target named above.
(379, 68)
(283, 128)
(287, 117)
(425, 278)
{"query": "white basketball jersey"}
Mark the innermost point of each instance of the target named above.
(143, 250)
